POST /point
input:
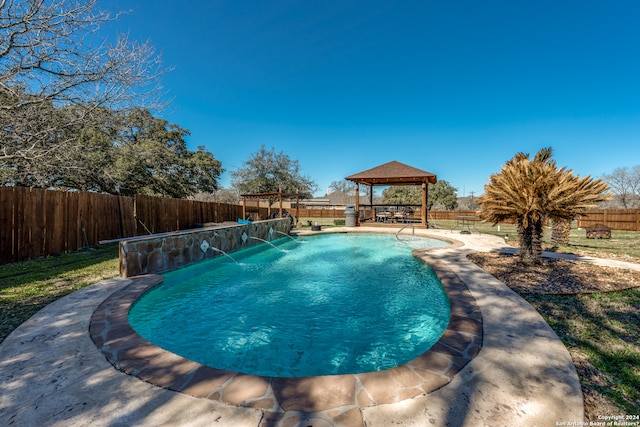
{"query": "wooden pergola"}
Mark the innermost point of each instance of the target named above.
(280, 196)
(393, 173)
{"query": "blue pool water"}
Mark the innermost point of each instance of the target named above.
(330, 304)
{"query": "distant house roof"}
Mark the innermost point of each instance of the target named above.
(337, 198)
(266, 196)
(317, 201)
(393, 173)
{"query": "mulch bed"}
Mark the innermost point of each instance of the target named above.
(560, 277)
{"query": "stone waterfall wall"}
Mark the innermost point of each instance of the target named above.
(159, 253)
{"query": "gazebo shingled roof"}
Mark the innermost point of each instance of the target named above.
(394, 173)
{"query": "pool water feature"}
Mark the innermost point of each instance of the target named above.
(344, 303)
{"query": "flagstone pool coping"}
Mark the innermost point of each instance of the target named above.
(339, 394)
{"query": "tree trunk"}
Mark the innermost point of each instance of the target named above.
(560, 232)
(530, 242)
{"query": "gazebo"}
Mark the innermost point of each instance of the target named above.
(393, 173)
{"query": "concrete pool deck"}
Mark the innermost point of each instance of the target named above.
(53, 374)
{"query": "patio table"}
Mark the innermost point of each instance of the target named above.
(383, 216)
(465, 222)
(399, 216)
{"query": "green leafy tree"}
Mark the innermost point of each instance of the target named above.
(268, 172)
(528, 191)
(151, 157)
(87, 161)
(124, 152)
(402, 195)
(440, 194)
(223, 195)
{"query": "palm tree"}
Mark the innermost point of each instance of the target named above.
(528, 191)
(560, 231)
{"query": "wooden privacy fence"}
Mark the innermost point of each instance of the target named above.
(159, 214)
(617, 219)
(35, 223)
(339, 213)
(450, 215)
(319, 213)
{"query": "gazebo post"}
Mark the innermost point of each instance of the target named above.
(244, 207)
(372, 217)
(425, 191)
(357, 204)
(280, 197)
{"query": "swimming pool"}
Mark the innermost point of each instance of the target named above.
(337, 304)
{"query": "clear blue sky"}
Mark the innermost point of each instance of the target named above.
(454, 88)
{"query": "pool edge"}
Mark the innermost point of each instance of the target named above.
(130, 353)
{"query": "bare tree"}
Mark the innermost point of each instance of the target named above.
(625, 184)
(635, 184)
(52, 57)
(342, 192)
(343, 186)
